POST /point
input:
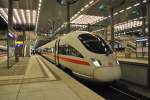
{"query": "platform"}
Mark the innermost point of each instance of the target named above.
(36, 78)
(132, 59)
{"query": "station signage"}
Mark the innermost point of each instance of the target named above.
(18, 42)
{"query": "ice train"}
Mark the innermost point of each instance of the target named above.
(84, 54)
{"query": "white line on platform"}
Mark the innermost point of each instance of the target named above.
(50, 75)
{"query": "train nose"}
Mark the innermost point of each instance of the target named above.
(107, 74)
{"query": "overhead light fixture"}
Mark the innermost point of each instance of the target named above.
(23, 16)
(82, 9)
(137, 4)
(39, 9)
(121, 11)
(87, 19)
(6, 11)
(17, 16)
(40, 1)
(116, 13)
(39, 4)
(28, 16)
(86, 6)
(38, 12)
(5, 16)
(144, 1)
(128, 8)
(91, 1)
(33, 17)
(14, 20)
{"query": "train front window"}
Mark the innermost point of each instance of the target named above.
(95, 44)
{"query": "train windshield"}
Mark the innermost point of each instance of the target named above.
(95, 44)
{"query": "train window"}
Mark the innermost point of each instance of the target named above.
(69, 50)
(73, 52)
(62, 50)
(95, 44)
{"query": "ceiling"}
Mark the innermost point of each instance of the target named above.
(53, 13)
(24, 13)
(21, 4)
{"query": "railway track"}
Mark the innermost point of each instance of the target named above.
(111, 91)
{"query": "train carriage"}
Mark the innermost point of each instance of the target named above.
(84, 54)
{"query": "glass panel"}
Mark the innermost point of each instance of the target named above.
(69, 50)
(94, 43)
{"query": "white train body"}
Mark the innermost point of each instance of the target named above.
(84, 54)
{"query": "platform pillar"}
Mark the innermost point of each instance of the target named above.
(148, 18)
(68, 16)
(112, 27)
(10, 26)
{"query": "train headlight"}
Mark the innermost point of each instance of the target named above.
(96, 62)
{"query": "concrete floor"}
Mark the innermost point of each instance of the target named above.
(37, 82)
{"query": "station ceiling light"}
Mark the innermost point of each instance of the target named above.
(4, 15)
(23, 16)
(87, 19)
(137, 4)
(20, 16)
(128, 8)
(38, 13)
(127, 25)
(17, 16)
(83, 9)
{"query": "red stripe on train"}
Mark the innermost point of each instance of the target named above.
(74, 61)
(70, 60)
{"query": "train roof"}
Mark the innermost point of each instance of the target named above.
(72, 34)
(76, 33)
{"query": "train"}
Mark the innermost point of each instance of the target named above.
(85, 55)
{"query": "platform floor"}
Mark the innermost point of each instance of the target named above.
(133, 59)
(35, 78)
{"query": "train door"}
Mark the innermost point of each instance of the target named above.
(56, 55)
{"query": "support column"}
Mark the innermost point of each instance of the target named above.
(88, 27)
(53, 26)
(105, 33)
(143, 12)
(148, 18)
(112, 27)
(10, 26)
(24, 39)
(68, 16)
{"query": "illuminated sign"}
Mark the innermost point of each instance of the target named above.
(19, 45)
(18, 42)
